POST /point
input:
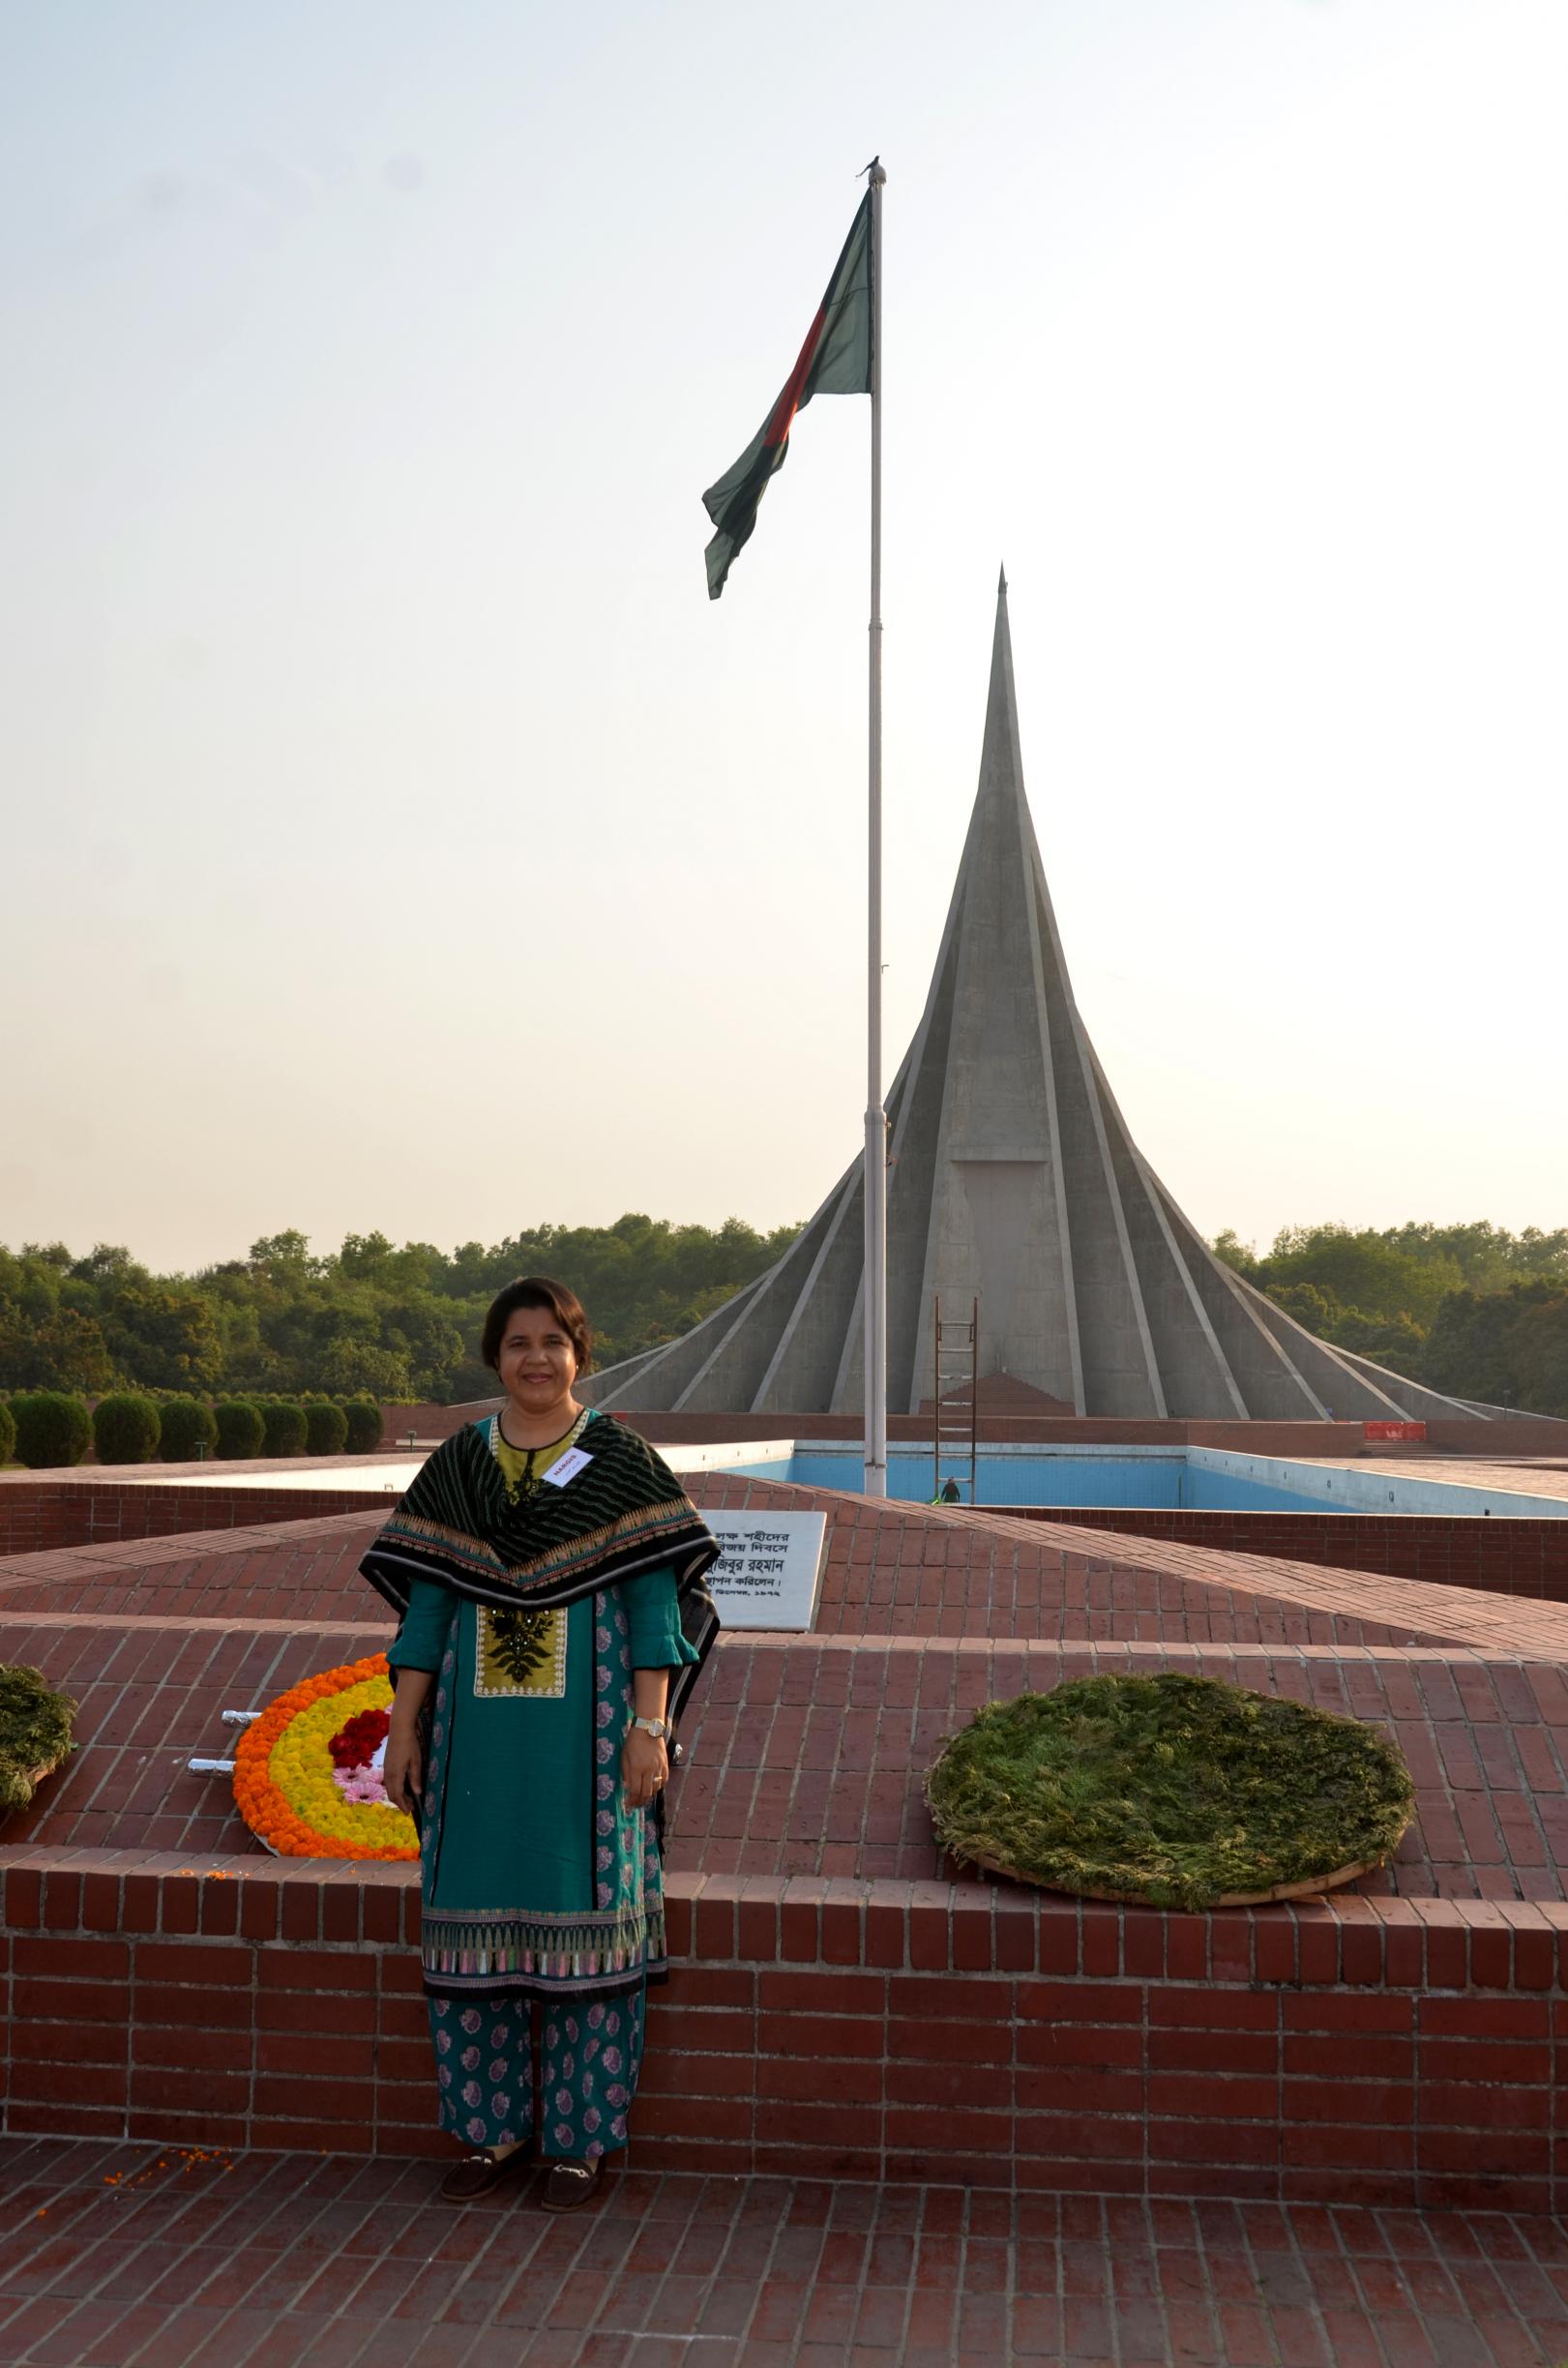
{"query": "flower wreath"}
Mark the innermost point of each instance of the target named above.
(308, 1772)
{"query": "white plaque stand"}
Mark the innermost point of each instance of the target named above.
(770, 1574)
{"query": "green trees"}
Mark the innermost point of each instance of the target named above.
(370, 1320)
(52, 1428)
(50, 1337)
(8, 1434)
(378, 1322)
(1507, 1347)
(1474, 1310)
(126, 1429)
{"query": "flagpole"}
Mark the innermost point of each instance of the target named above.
(874, 1325)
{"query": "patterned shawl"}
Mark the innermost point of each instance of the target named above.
(623, 1513)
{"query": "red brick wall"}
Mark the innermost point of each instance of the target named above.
(1385, 2052)
(41, 1515)
(1507, 1557)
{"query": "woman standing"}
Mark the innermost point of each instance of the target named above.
(550, 1573)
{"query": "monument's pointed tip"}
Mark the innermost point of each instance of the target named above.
(1001, 584)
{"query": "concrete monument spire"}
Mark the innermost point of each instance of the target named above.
(1013, 1180)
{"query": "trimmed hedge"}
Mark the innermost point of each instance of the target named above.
(239, 1429)
(284, 1427)
(126, 1429)
(326, 1427)
(363, 1416)
(52, 1428)
(189, 1432)
(8, 1434)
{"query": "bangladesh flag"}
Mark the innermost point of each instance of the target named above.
(835, 359)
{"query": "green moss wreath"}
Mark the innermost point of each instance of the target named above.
(1179, 1791)
(35, 1734)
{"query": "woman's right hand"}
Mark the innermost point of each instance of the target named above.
(401, 1771)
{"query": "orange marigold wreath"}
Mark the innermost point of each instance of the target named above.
(307, 1772)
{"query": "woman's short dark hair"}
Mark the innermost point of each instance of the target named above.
(538, 1291)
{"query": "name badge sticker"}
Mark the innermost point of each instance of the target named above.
(567, 1467)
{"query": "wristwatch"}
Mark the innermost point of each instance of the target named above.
(659, 1729)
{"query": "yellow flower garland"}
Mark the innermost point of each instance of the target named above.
(283, 1779)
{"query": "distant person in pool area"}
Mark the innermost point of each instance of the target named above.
(950, 1491)
(550, 1573)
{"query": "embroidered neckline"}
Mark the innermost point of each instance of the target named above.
(524, 1491)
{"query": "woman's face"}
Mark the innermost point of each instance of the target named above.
(537, 1362)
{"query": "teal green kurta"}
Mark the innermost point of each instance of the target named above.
(535, 1875)
(516, 1818)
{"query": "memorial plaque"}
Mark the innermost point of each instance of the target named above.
(771, 1570)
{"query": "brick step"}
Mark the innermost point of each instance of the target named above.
(1376, 2052)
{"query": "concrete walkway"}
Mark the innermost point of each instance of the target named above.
(146, 2257)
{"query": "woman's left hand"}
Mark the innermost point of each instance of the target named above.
(644, 1767)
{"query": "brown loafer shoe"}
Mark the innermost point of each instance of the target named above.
(476, 2175)
(571, 2183)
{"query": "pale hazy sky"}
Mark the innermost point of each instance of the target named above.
(394, 835)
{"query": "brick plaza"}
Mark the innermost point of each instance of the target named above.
(889, 2112)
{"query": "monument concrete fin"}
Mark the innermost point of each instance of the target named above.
(1013, 1180)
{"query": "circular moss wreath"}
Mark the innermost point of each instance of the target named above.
(1179, 1791)
(35, 1734)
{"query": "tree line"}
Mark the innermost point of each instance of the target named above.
(365, 1320)
(1470, 1308)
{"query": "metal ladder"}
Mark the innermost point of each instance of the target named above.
(954, 1358)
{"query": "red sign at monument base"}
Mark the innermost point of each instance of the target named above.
(1393, 1431)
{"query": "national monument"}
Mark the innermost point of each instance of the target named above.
(1013, 1180)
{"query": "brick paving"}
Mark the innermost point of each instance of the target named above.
(805, 1753)
(140, 2257)
(840, 2011)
